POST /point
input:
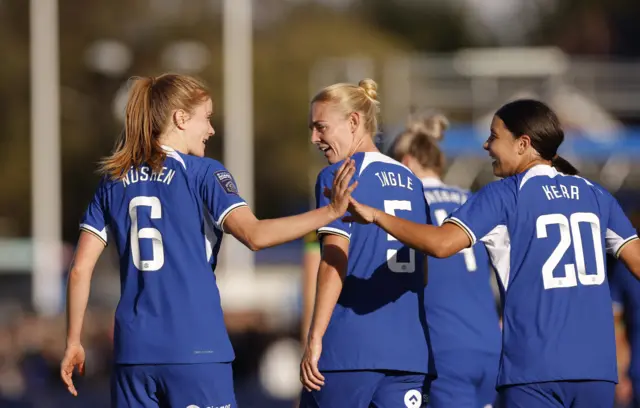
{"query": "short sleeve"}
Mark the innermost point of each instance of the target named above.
(620, 231)
(95, 219)
(485, 210)
(337, 227)
(219, 192)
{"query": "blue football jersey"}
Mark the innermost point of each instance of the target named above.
(547, 235)
(625, 293)
(461, 307)
(167, 228)
(379, 321)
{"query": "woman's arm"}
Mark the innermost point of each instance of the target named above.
(630, 256)
(310, 265)
(84, 261)
(259, 234)
(331, 275)
(439, 242)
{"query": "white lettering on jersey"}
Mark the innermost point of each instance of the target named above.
(393, 179)
(553, 192)
(144, 173)
(440, 196)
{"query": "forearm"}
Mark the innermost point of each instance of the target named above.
(78, 289)
(423, 237)
(327, 294)
(272, 232)
(309, 281)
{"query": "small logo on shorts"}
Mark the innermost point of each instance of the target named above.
(413, 399)
(192, 406)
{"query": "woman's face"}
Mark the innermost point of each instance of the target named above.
(503, 148)
(331, 131)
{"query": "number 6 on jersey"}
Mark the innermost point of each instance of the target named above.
(136, 234)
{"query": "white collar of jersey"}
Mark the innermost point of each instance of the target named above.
(539, 170)
(431, 182)
(171, 152)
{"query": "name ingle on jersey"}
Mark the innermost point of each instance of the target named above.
(144, 173)
(394, 179)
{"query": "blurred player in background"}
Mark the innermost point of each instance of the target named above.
(625, 293)
(166, 207)
(461, 313)
(547, 234)
(368, 342)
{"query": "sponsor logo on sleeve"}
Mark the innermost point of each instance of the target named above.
(226, 181)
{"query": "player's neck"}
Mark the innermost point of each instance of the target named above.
(365, 144)
(533, 163)
(173, 141)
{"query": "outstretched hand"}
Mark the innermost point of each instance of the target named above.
(340, 191)
(358, 212)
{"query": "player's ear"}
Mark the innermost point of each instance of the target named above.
(354, 121)
(180, 118)
(524, 142)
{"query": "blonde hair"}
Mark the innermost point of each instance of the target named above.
(432, 124)
(151, 103)
(362, 98)
(421, 138)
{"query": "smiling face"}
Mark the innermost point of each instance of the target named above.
(198, 128)
(331, 131)
(504, 148)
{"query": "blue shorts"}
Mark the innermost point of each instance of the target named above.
(466, 379)
(173, 385)
(558, 394)
(364, 389)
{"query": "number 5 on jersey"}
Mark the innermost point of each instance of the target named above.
(157, 259)
(390, 207)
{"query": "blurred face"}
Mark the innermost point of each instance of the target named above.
(331, 131)
(198, 129)
(505, 150)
